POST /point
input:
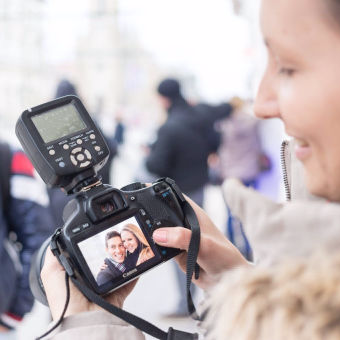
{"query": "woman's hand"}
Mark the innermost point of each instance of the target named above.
(53, 278)
(216, 254)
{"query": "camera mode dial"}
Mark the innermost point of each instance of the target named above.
(133, 186)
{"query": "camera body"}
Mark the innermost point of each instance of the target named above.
(102, 210)
(106, 240)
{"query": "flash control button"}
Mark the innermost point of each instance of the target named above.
(73, 160)
(80, 157)
(84, 164)
(92, 136)
(52, 152)
(88, 154)
(76, 150)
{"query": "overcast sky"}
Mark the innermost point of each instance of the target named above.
(204, 38)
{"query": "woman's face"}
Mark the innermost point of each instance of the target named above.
(301, 86)
(129, 240)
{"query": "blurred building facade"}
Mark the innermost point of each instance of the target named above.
(21, 62)
(108, 66)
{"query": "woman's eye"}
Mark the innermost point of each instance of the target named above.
(286, 71)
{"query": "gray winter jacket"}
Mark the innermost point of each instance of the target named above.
(298, 227)
(275, 230)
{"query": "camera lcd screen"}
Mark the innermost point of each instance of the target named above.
(116, 251)
(58, 123)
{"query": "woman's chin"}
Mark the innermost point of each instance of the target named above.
(323, 190)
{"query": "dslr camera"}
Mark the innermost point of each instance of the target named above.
(106, 240)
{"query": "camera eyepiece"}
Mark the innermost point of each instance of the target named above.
(105, 204)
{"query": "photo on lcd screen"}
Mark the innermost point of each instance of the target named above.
(115, 251)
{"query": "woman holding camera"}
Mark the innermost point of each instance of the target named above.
(301, 87)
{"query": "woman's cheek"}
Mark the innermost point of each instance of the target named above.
(285, 93)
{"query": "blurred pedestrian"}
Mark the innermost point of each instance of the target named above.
(185, 140)
(25, 222)
(240, 156)
(241, 150)
(182, 148)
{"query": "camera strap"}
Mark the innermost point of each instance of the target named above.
(192, 222)
(141, 324)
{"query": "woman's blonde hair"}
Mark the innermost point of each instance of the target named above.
(299, 299)
(146, 253)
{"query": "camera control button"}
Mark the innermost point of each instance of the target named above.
(157, 224)
(92, 136)
(73, 160)
(76, 230)
(79, 141)
(76, 150)
(61, 164)
(142, 212)
(97, 148)
(66, 146)
(52, 152)
(86, 225)
(84, 164)
(80, 157)
(88, 154)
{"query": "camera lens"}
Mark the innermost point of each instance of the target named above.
(106, 207)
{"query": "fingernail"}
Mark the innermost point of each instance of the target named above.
(160, 236)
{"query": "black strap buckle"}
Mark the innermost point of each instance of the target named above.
(175, 188)
(53, 243)
(174, 334)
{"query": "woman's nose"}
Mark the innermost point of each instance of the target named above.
(266, 102)
(266, 109)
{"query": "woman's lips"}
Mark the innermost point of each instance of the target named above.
(302, 149)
